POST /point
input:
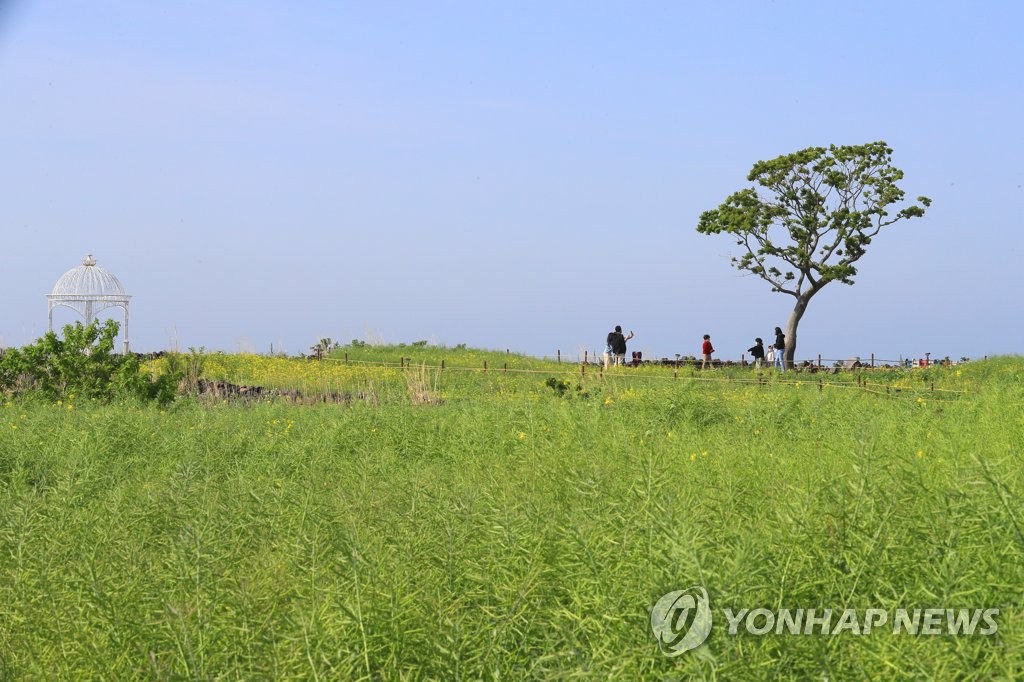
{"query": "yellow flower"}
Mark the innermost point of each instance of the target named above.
(608, 400)
(704, 454)
(693, 456)
(522, 436)
(920, 453)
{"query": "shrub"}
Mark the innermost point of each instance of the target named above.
(83, 364)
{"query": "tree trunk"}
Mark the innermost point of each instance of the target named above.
(791, 325)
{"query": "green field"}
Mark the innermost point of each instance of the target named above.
(510, 525)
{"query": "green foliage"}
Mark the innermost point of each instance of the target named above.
(186, 367)
(565, 389)
(814, 215)
(83, 364)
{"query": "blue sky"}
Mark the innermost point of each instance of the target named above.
(507, 175)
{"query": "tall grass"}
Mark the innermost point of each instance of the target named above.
(510, 530)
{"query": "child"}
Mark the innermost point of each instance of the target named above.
(757, 352)
(706, 350)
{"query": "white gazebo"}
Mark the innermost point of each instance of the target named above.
(89, 290)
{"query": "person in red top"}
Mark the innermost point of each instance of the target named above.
(706, 350)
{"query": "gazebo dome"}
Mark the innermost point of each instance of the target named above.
(89, 289)
(88, 280)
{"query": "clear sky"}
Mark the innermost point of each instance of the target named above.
(518, 175)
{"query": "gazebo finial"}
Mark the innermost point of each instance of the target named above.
(89, 260)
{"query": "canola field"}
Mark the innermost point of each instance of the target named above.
(514, 523)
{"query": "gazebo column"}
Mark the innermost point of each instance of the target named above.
(126, 329)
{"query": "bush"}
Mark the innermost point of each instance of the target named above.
(83, 364)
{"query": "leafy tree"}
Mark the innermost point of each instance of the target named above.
(810, 218)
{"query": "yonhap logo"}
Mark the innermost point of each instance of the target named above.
(681, 620)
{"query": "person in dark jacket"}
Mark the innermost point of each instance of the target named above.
(757, 352)
(617, 345)
(780, 349)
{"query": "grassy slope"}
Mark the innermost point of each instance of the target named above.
(508, 530)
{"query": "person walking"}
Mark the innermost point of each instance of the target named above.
(757, 352)
(617, 345)
(706, 350)
(780, 349)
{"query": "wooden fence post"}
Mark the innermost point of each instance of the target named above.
(559, 356)
(872, 361)
(485, 365)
